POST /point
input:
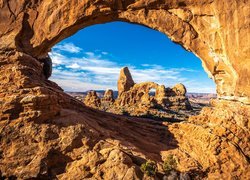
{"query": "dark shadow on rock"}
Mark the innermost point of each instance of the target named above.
(149, 137)
(54, 164)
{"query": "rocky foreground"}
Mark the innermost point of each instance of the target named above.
(46, 134)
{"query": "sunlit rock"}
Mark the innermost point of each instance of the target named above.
(46, 134)
(125, 81)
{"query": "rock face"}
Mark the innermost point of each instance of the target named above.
(125, 81)
(47, 134)
(179, 90)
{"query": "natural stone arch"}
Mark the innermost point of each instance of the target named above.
(31, 105)
(194, 25)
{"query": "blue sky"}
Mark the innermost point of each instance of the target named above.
(92, 58)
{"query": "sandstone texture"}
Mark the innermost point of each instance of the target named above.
(125, 81)
(108, 96)
(92, 100)
(46, 134)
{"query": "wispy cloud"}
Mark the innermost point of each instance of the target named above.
(68, 47)
(92, 70)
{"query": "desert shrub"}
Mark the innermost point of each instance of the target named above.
(149, 168)
(169, 164)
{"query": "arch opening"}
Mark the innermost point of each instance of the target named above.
(92, 59)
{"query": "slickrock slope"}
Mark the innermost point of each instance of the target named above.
(45, 133)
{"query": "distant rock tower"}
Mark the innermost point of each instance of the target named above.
(125, 81)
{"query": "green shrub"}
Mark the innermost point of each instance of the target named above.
(149, 168)
(169, 164)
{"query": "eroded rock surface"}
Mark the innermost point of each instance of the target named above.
(45, 133)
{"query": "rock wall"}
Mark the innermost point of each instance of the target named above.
(44, 133)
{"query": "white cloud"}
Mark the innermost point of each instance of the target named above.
(79, 86)
(74, 66)
(68, 47)
(92, 71)
(57, 58)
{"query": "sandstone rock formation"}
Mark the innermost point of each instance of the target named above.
(186, 22)
(139, 96)
(108, 100)
(92, 100)
(179, 90)
(108, 96)
(135, 99)
(47, 134)
(125, 81)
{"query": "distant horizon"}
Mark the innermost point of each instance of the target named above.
(92, 58)
(117, 91)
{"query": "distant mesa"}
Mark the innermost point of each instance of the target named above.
(142, 99)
